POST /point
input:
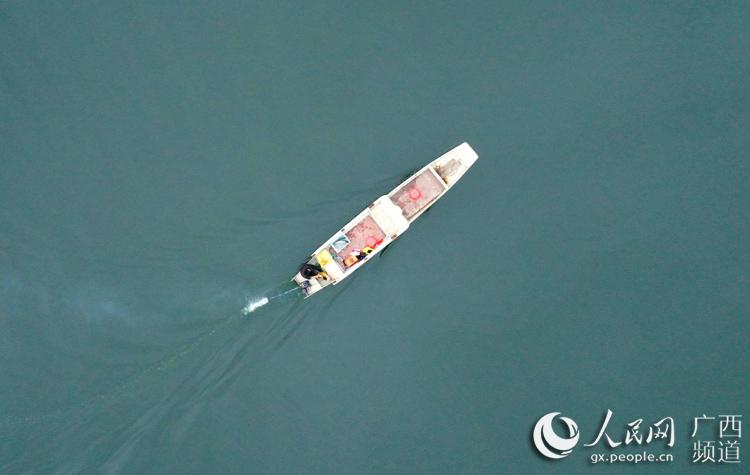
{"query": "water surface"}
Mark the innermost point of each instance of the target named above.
(162, 165)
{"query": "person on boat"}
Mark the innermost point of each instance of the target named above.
(309, 271)
(355, 256)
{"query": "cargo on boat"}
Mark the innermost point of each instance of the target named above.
(382, 222)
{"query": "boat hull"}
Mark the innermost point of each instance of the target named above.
(383, 221)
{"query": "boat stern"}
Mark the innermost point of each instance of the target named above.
(327, 272)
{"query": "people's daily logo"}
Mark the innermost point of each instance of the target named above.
(715, 439)
(546, 440)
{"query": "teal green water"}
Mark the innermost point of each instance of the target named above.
(161, 163)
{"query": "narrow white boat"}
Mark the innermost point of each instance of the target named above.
(382, 222)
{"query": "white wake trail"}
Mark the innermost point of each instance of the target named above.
(253, 305)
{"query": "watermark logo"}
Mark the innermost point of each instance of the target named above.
(546, 440)
(715, 439)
